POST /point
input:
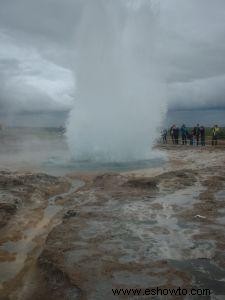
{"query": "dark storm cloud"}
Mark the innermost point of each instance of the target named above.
(194, 39)
(38, 44)
(204, 93)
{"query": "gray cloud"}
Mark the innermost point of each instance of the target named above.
(193, 42)
(38, 43)
(200, 93)
(30, 82)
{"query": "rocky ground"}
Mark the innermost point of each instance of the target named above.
(79, 236)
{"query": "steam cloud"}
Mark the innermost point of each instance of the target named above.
(120, 98)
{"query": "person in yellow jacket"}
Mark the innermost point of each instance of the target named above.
(215, 135)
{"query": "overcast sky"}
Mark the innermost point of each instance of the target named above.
(38, 44)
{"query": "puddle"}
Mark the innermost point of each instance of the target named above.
(205, 273)
(163, 236)
(220, 196)
(22, 248)
(136, 232)
(93, 229)
(137, 280)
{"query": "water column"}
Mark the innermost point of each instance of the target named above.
(120, 99)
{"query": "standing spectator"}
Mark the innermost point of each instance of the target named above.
(164, 136)
(197, 133)
(184, 134)
(202, 135)
(176, 132)
(215, 133)
(191, 137)
(172, 133)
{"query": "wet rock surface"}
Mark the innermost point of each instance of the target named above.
(18, 190)
(25, 222)
(136, 240)
(120, 231)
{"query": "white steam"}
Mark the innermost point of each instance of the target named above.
(120, 100)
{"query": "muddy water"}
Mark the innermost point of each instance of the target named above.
(21, 249)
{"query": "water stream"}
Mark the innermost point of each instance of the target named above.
(22, 248)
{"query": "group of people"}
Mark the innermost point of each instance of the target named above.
(196, 136)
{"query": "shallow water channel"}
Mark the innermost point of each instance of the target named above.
(22, 248)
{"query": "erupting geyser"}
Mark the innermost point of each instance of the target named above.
(119, 95)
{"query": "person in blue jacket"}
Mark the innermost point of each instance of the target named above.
(184, 134)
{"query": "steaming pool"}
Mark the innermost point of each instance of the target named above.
(46, 150)
(54, 165)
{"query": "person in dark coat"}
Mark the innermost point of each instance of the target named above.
(197, 133)
(202, 135)
(164, 136)
(176, 132)
(191, 137)
(172, 133)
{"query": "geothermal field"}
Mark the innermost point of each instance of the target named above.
(83, 234)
